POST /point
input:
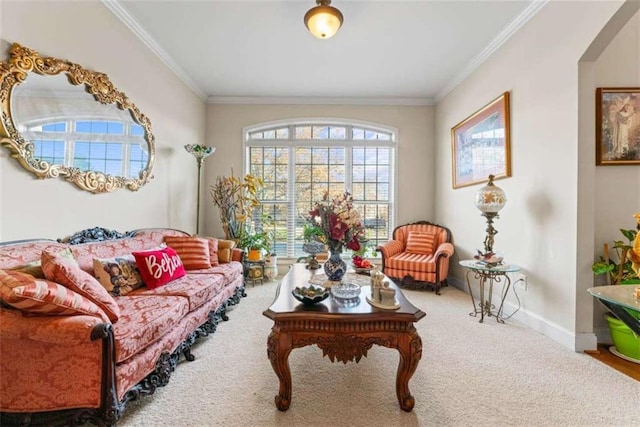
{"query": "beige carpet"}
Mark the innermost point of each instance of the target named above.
(471, 374)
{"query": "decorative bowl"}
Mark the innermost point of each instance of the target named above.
(345, 290)
(362, 270)
(309, 295)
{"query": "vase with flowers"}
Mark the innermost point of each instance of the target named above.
(342, 227)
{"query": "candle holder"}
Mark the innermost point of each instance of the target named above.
(200, 152)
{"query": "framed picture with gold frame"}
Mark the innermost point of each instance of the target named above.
(618, 126)
(480, 144)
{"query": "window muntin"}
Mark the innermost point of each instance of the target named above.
(321, 157)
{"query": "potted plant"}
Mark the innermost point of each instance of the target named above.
(622, 267)
(254, 243)
(236, 199)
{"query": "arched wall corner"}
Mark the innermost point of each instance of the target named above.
(590, 325)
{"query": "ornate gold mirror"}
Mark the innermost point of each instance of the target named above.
(60, 119)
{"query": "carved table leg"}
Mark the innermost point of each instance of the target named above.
(278, 348)
(410, 349)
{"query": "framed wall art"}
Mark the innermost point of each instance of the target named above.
(618, 126)
(480, 144)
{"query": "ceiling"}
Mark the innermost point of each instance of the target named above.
(411, 52)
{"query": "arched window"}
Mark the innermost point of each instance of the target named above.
(300, 161)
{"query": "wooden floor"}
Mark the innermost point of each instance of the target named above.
(605, 356)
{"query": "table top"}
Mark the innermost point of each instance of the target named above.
(286, 307)
(622, 295)
(475, 265)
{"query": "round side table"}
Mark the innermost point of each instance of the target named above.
(485, 274)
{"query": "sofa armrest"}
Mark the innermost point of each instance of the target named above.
(47, 329)
(444, 250)
(390, 248)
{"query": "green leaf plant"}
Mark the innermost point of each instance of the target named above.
(618, 266)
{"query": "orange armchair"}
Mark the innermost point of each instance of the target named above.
(418, 255)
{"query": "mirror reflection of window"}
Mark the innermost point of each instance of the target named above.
(68, 127)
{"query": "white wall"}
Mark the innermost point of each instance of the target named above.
(415, 162)
(88, 34)
(538, 226)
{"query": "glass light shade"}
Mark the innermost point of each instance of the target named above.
(490, 198)
(323, 21)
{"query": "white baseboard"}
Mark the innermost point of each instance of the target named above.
(576, 342)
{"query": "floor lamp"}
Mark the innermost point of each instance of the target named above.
(199, 152)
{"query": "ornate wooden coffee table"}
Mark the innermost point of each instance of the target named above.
(344, 333)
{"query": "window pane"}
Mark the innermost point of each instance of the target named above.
(303, 132)
(320, 132)
(269, 134)
(136, 130)
(358, 133)
(337, 132)
(282, 133)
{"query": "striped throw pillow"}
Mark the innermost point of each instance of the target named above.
(40, 296)
(420, 242)
(68, 273)
(213, 251)
(193, 251)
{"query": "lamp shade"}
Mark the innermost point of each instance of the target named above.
(323, 21)
(490, 198)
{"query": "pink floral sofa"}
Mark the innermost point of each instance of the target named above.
(72, 369)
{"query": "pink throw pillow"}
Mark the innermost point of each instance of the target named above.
(213, 251)
(65, 271)
(158, 267)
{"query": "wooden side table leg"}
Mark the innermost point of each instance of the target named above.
(278, 348)
(410, 349)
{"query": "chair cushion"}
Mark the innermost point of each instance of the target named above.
(420, 242)
(197, 288)
(144, 320)
(67, 272)
(193, 251)
(408, 262)
(40, 296)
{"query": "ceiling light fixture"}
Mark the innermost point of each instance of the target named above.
(323, 21)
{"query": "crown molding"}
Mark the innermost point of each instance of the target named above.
(121, 13)
(318, 100)
(495, 44)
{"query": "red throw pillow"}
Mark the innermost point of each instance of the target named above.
(158, 267)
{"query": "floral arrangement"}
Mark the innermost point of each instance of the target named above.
(236, 198)
(339, 221)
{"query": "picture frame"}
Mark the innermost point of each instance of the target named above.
(481, 144)
(617, 126)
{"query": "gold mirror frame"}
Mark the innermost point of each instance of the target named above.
(14, 72)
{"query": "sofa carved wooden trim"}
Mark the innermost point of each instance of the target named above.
(418, 270)
(111, 381)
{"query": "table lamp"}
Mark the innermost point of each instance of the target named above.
(490, 199)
